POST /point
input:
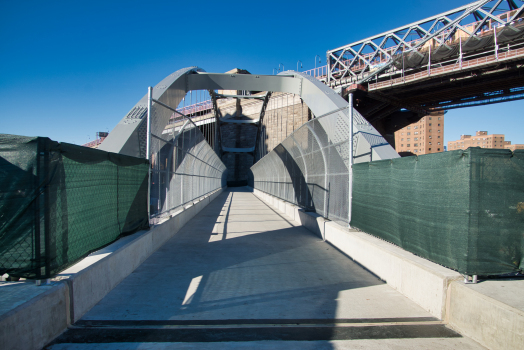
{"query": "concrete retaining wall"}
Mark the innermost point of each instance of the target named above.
(76, 290)
(37, 321)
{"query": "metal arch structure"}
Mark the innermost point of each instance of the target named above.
(364, 60)
(128, 137)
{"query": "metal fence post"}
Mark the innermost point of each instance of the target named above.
(350, 170)
(496, 43)
(148, 151)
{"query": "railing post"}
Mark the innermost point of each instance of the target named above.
(350, 170)
(460, 54)
(148, 152)
(429, 61)
(496, 43)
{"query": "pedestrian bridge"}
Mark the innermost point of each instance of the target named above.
(242, 271)
(239, 267)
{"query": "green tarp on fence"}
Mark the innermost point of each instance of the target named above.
(461, 209)
(59, 202)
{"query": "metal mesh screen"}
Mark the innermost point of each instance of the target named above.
(461, 209)
(184, 167)
(310, 168)
(59, 202)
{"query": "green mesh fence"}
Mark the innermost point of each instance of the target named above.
(60, 202)
(461, 209)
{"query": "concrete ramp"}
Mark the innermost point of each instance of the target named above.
(240, 271)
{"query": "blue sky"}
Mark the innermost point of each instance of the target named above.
(71, 68)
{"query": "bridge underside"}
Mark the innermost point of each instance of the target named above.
(391, 107)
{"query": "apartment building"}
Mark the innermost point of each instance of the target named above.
(423, 137)
(483, 140)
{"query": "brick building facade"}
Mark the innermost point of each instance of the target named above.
(423, 137)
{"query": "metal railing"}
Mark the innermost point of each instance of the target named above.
(319, 72)
(464, 65)
(184, 167)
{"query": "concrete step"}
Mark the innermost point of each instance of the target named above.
(140, 331)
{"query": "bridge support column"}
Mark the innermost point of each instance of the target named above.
(350, 163)
(148, 151)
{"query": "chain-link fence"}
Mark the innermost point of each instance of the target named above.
(184, 167)
(310, 168)
(461, 209)
(59, 202)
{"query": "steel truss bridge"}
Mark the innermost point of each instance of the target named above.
(469, 56)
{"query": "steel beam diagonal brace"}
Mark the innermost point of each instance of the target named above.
(218, 134)
(519, 11)
(259, 126)
(485, 18)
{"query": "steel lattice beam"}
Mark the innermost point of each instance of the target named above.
(357, 59)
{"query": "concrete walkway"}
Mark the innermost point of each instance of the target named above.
(240, 271)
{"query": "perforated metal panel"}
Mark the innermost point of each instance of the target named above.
(310, 167)
(183, 168)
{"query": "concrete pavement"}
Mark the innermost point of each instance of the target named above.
(241, 271)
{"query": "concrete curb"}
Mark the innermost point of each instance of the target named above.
(484, 319)
(36, 322)
(39, 320)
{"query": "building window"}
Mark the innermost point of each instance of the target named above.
(438, 118)
(438, 137)
(439, 131)
(402, 145)
(416, 133)
(409, 133)
(415, 151)
(430, 143)
(439, 125)
(429, 130)
(438, 149)
(401, 139)
(438, 143)
(416, 127)
(429, 136)
(416, 138)
(408, 146)
(408, 139)
(429, 118)
(415, 145)
(429, 124)
(430, 149)
(409, 127)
